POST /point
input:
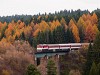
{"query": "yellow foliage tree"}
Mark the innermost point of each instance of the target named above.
(71, 23)
(75, 30)
(36, 32)
(54, 25)
(43, 26)
(10, 39)
(27, 31)
(95, 29)
(63, 22)
(7, 33)
(75, 33)
(36, 27)
(84, 17)
(81, 23)
(17, 33)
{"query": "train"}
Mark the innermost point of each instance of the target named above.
(58, 47)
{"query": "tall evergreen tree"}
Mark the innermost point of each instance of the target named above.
(93, 70)
(96, 44)
(96, 48)
(51, 37)
(99, 25)
(98, 69)
(30, 40)
(69, 36)
(59, 34)
(51, 69)
(88, 60)
(93, 54)
(35, 42)
(40, 37)
(81, 27)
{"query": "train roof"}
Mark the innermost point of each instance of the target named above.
(62, 44)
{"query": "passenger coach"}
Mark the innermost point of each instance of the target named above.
(58, 47)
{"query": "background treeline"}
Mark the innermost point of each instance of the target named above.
(60, 27)
(67, 15)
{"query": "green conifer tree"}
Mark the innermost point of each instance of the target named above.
(96, 44)
(98, 69)
(93, 70)
(89, 60)
(31, 70)
(51, 69)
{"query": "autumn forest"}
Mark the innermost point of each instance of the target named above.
(20, 35)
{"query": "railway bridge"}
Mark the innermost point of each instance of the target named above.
(54, 51)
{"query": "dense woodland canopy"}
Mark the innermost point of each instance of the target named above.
(60, 27)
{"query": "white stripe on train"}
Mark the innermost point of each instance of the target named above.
(41, 47)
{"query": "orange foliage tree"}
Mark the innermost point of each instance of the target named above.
(94, 18)
(90, 26)
(89, 33)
